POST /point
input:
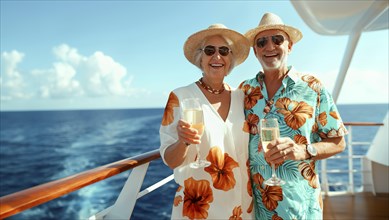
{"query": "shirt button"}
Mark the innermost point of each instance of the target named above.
(262, 167)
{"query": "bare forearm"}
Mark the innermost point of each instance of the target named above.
(286, 149)
(329, 147)
(175, 154)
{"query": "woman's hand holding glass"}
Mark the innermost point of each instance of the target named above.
(193, 116)
(187, 134)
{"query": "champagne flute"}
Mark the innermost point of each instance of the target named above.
(270, 131)
(193, 114)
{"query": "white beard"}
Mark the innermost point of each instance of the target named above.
(275, 65)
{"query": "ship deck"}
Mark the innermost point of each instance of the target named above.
(358, 206)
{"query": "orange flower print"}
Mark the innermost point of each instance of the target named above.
(168, 115)
(177, 200)
(282, 104)
(299, 139)
(323, 118)
(308, 172)
(258, 179)
(249, 188)
(221, 169)
(246, 127)
(268, 107)
(197, 196)
(295, 113)
(236, 213)
(270, 196)
(313, 83)
(334, 115)
(342, 131)
(252, 123)
(276, 217)
(252, 95)
(322, 135)
(315, 128)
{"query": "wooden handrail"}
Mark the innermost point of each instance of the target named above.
(363, 124)
(17, 202)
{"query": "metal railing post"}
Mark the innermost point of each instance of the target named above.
(350, 161)
(125, 203)
(324, 178)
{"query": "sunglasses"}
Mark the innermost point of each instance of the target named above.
(277, 40)
(211, 50)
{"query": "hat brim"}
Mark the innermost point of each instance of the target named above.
(240, 47)
(294, 34)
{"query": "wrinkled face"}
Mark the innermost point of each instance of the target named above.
(216, 65)
(272, 48)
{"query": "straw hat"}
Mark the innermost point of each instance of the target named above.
(240, 46)
(271, 21)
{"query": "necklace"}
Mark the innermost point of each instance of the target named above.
(210, 89)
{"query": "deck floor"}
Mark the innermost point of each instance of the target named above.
(358, 206)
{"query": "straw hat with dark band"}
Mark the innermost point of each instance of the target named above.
(240, 46)
(271, 21)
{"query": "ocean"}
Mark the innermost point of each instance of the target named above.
(41, 146)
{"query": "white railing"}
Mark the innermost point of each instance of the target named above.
(364, 169)
(125, 203)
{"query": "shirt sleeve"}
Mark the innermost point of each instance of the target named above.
(330, 124)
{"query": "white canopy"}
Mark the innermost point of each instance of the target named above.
(343, 17)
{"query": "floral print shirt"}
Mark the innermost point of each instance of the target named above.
(222, 190)
(306, 113)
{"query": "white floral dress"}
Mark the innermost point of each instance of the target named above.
(222, 190)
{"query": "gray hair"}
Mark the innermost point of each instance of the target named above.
(199, 55)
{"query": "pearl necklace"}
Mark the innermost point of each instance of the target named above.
(210, 89)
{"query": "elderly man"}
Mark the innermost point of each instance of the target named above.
(310, 127)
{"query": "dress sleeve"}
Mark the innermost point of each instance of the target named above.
(168, 132)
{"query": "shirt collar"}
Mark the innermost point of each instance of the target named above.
(293, 74)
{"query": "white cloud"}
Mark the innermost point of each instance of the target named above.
(73, 75)
(67, 54)
(12, 83)
(59, 82)
(104, 76)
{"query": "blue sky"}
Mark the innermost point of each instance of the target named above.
(128, 54)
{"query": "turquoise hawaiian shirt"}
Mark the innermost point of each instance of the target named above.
(306, 113)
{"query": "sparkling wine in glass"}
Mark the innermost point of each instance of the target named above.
(193, 114)
(270, 131)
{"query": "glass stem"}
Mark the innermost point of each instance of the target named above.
(273, 169)
(198, 153)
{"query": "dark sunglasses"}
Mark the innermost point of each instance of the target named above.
(211, 50)
(277, 40)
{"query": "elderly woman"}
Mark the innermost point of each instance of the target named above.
(221, 190)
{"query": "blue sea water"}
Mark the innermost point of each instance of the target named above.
(40, 146)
